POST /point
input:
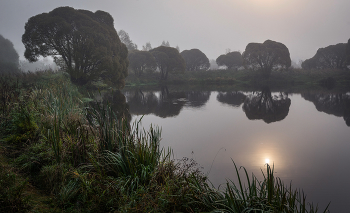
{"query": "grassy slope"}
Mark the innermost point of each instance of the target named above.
(31, 198)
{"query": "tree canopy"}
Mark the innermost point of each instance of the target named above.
(9, 59)
(83, 43)
(125, 39)
(168, 59)
(141, 61)
(232, 60)
(308, 64)
(195, 60)
(330, 57)
(266, 57)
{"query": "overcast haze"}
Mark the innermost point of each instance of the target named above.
(209, 25)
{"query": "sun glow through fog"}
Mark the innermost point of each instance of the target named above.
(268, 5)
(267, 160)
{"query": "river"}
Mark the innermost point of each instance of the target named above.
(305, 135)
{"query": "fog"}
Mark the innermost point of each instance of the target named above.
(209, 25)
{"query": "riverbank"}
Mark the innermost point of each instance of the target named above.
(81, 154)
(292, 78)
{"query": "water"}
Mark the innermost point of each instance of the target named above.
(305, 135)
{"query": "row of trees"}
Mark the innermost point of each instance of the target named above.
(87, 46)
(265, 57)
(166, 59)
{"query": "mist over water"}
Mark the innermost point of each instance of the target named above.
(304, 135)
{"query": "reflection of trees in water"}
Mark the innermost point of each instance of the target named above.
(118, 104)
(169, 104)
(197, 99)
(164, 103)
(233, 98)
(262, 105)
(333, 104)
(141, 103)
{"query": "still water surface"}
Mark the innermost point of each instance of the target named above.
(305, 135)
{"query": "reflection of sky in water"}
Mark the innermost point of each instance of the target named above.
(309, 147)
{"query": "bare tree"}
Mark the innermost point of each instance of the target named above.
(147, 47)
(125, 39)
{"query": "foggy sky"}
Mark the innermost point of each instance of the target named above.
(209, 25)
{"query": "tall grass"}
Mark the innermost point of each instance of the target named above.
(91, 160)
(268, 195)
(126, 150)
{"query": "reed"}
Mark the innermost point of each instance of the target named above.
(268, 195)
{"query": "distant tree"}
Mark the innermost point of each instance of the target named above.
(330, 57)
(168, 59)
(141, 61)
(348, 53)
(308, 64)
(165, 44)
(125, 39)
(232, 60)
(178, 48)
(9, 59)
(195, 60)
(333, 56)
(86, 43)
(147, 47)
(266, 57)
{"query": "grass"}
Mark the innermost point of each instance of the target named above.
(297, 78)
(71, 155)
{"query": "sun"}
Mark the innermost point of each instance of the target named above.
(270, 4)
(267, 160)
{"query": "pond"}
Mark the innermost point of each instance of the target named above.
(305, 135)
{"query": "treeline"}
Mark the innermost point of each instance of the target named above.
(263, 57)
(87, 46)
